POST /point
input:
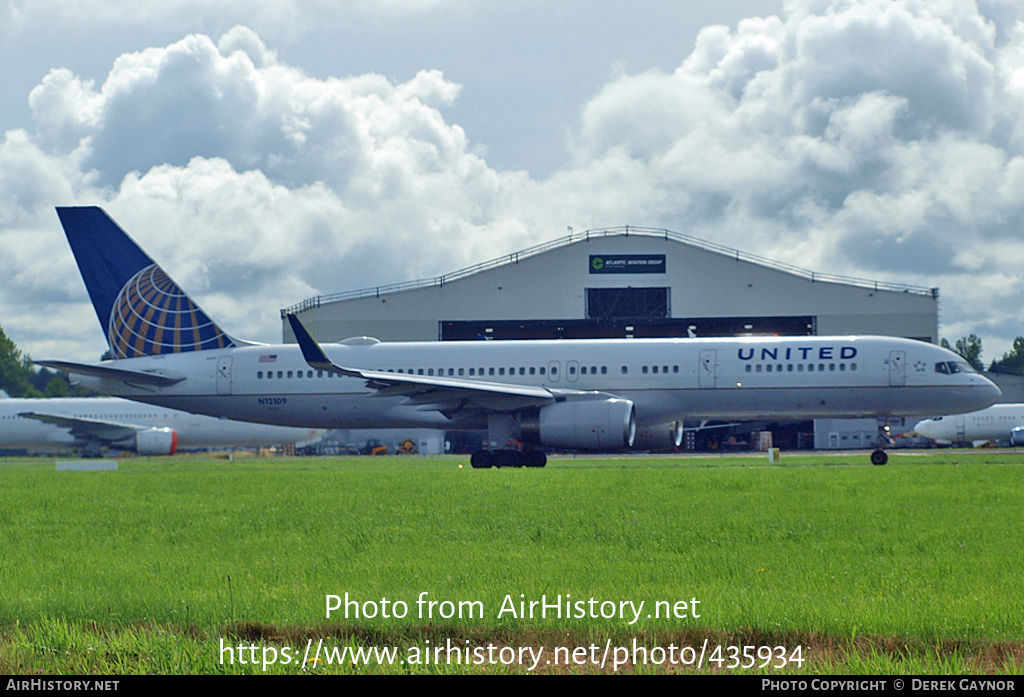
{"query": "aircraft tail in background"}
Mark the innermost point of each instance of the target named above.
(141, 309)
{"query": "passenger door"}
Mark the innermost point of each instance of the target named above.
(707, 368)
(897, 368)
(224, 375)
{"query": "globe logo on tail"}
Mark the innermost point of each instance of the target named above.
(153, 316)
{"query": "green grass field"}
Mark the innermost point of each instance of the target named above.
(201, 565)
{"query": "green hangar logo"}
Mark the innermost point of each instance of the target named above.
(627, 263)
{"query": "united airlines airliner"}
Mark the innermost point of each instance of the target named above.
(571, 394)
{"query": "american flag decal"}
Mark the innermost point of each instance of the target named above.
(268, 358)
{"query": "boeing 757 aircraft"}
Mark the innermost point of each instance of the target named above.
(90, 424)
(572, 394)
(999, 421)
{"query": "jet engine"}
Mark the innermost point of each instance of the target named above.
(659, 438)
(592, 424)
(156, 441)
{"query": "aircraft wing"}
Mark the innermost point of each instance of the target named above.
(435, 392)
(86, 429)
(132, 377)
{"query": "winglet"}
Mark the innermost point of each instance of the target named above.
(381, 381)
(311, 351)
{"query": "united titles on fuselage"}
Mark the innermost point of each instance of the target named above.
(803, 353)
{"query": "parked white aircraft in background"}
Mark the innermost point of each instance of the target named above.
(93, 423)
(572, 394)
(997, 422)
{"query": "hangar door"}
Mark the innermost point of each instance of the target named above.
(627, 303)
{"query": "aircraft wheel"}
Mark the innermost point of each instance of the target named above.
(482, 459)
(879, 457)
(534, 458)
(507, 458)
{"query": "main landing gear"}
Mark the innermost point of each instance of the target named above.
(504, 429)
(508, 458)
(879, 456)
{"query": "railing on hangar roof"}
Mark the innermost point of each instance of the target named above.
(621, 231)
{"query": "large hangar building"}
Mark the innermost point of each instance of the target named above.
(633, 282)
(623, 282)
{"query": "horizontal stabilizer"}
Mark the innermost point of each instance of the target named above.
(135, 377)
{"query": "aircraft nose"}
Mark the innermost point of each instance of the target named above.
(992, 390)
(979, 392)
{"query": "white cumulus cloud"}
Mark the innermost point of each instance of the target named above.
(876, 138)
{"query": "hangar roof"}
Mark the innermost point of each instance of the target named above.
(621, 231)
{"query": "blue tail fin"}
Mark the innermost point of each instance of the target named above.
(142, 310)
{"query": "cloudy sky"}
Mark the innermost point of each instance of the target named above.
(269, 150)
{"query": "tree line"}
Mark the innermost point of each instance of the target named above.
(19, 378)
(969, 348)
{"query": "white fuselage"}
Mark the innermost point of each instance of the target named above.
(667, 379)
(994, 423)
(192, 430)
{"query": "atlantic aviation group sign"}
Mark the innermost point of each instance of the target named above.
(627, 263)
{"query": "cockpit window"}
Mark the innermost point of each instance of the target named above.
(954, 367)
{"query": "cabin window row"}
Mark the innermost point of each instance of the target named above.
(800, 367)
(572, 370)
(283, 374)
(451, 372)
